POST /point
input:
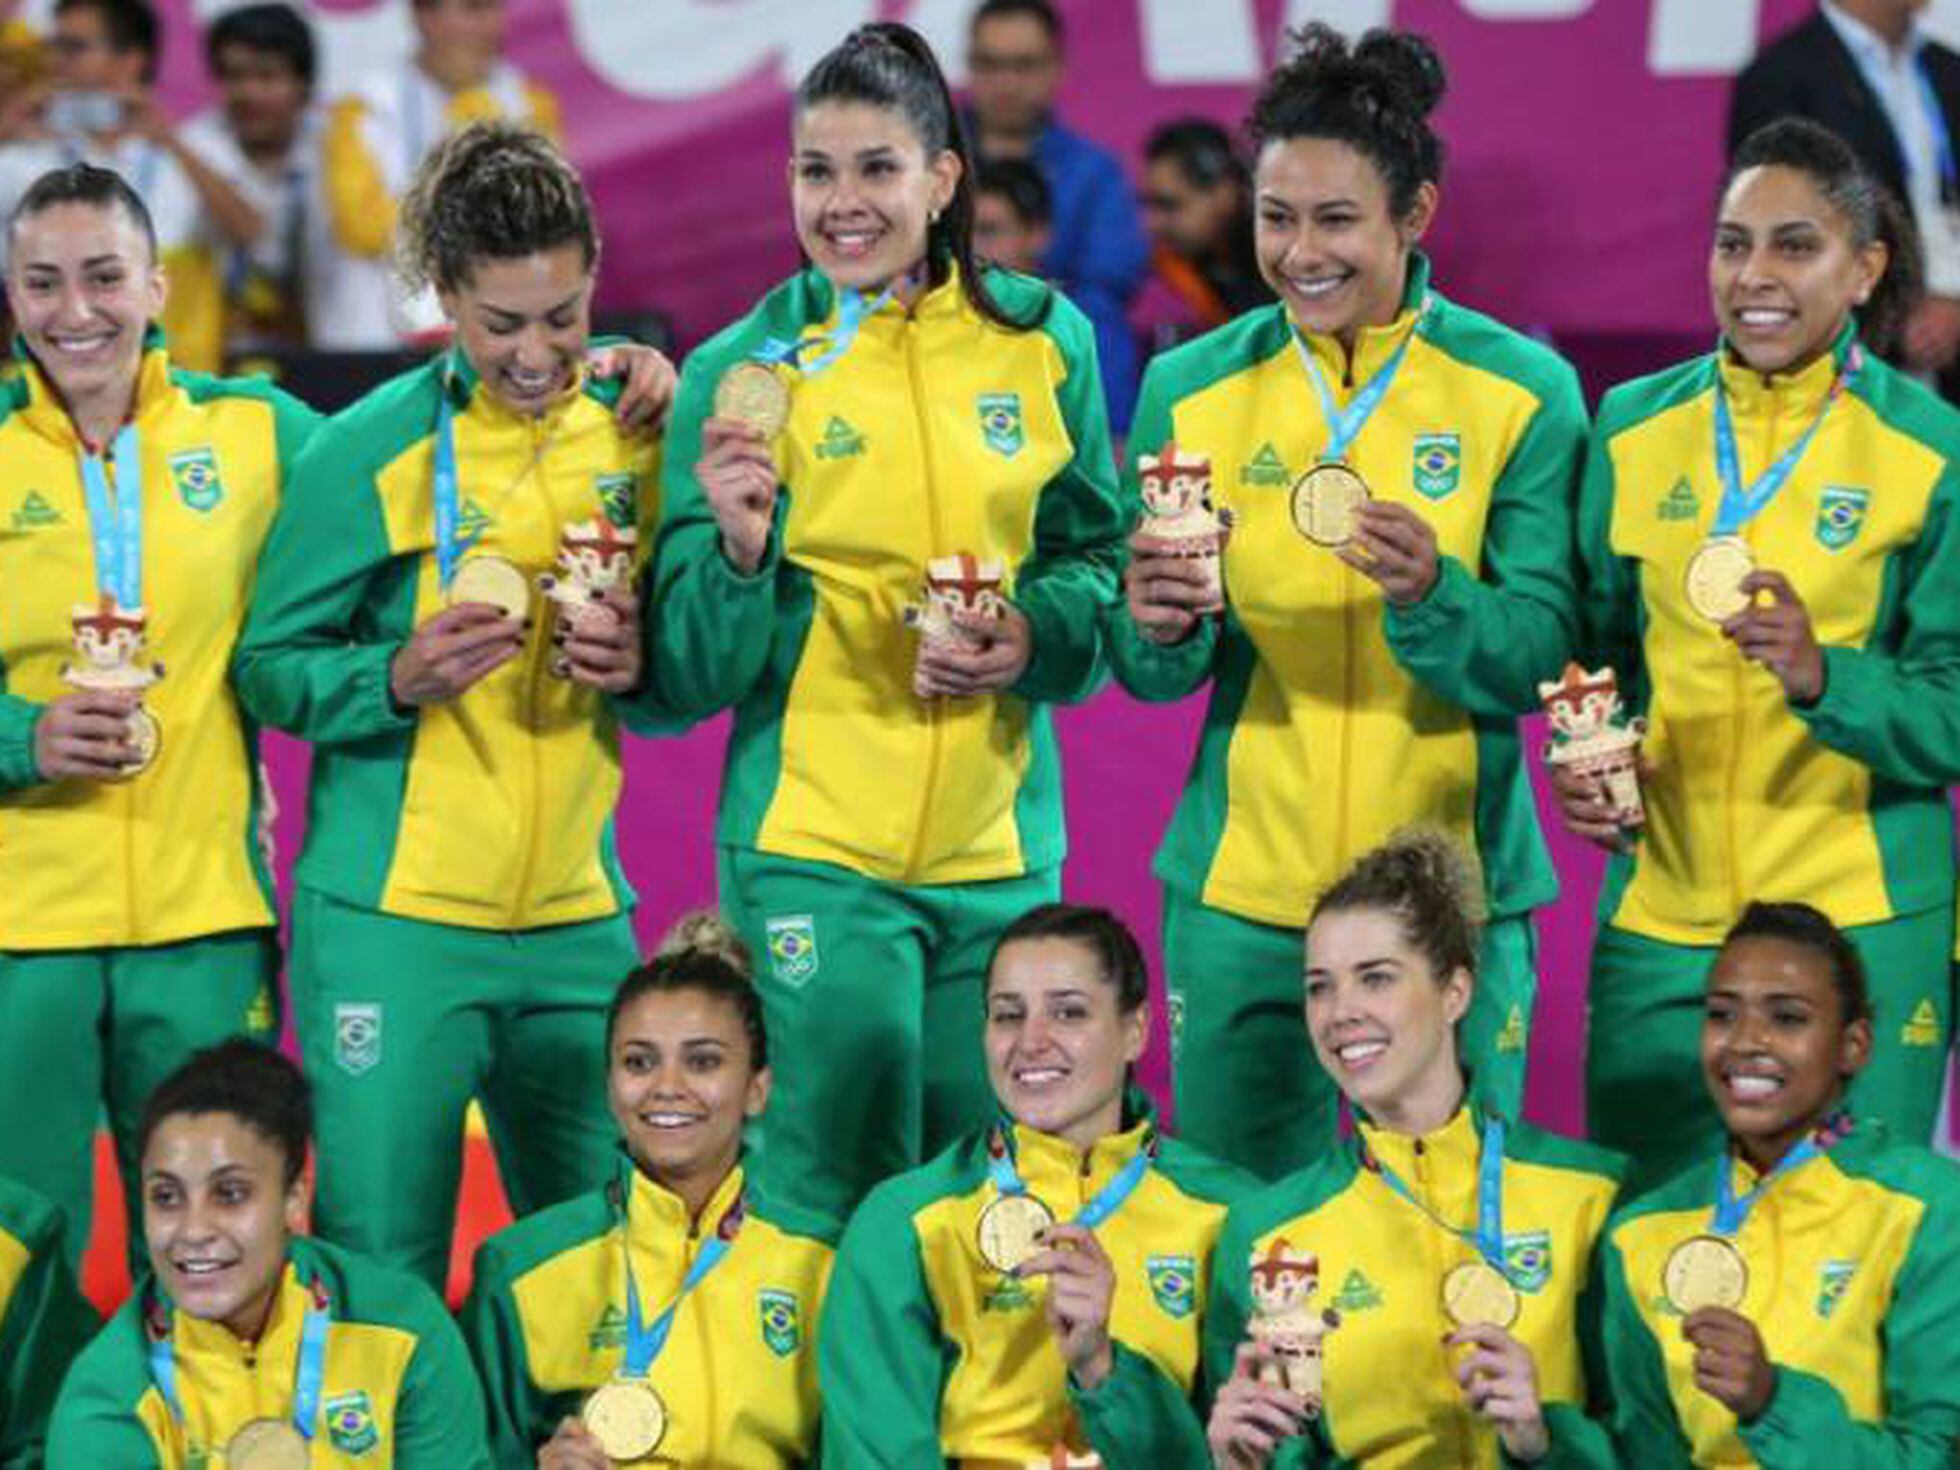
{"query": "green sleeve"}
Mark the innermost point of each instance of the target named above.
(1484, 640)
(311, 661)
(1067, 584)
(1808, 1426)
(1580, 1436)
(881, 1357)
(708, 627)
(1139, 1416)
(95, 1423)
(1152, 671)
(18, 768)
(518, 1414)
(1609, 619)
(1645, 1429)
(439, 1421)
(1895, 704)
(48, 1322)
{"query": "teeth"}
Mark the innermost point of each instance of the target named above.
(1036, 1076)
(669, 1120)
(1360, 1051)
(1754, 1089)
(1764, 317)
(201, 1268)
(1320, 287)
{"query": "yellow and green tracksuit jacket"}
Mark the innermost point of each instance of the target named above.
(169, 854)
(1391, 1395)
(930, 1356)
(44, 1322)
(494, 810)
(1838, 804)
(1852, 1285)
(546, 1321)
(1335, 717)
(937, 433)
(398, 1390)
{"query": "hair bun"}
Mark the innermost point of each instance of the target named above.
(1410, 68)
(1436, 862)
(707, 932)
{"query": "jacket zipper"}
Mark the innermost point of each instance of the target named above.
(934, 707)
(529, 815)
(1738, 697)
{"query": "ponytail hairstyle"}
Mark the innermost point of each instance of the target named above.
(889, 65)
(1375, 97)
(491, 191)
(700, 953)
(1428, 883)
(1870, 211)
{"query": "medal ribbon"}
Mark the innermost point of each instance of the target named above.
(309, 1372)
(450, 543)
(1344, 425)
(852, 309)
(644, 1342)
(115, 517)
(1101, 1206)
(1740, 506)
(1487, 1236)
(1730, 1211)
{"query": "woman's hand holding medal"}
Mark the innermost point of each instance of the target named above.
(1731, 1363)
(1500, 1382)
(451, 652)
(573, 1447)
(1081, 1287)
(1395, 548)
(1167, 594)
(739, 478)
(1250, 1417)
(1778, 635)
(85, 736)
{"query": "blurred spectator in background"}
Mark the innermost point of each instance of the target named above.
(95, 104)
(1865, 70)
(1197, 212)
(264, 138)
(375, 138)
(1012, 215)
(23, 55)
(1096, 252)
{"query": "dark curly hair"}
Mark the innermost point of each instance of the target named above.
(1425, 879)
(491, 191)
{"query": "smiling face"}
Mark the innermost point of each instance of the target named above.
(1327, 242)
(524, 324)
(1786, 272)
(1775, 1048)
(1059, 1047)
(681, 1084)
(84, 288)
(218, 1216)
(1383, 1025)
(864, 192)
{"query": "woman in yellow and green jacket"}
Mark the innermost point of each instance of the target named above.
(44, 1322)
(679, 1276)
(1788, 1300)
(246, 1343)
(1443, 1257)
(1034, 1294)
(461, 918)
(1358, 687)
(890, 798)
(1801, 723)
(135, 901)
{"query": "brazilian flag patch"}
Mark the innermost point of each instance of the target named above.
(781, 1322)
(1528, 1259)
(1000, 422)
(1173, 1283)
(350, 1423)
(195, 474)
(1841, 516)
(1438, 464)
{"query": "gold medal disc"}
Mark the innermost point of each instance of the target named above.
(627, 1417)
(145, 737)
(1325, 499)
(267, 1444)
(491, 580)
(755, 394)
(1705, 1271)
(1715, 574)
(1008, 1228)
(1475, 1294)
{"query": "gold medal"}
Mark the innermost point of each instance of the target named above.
(1715, 574)
(145, 739)
(1325, 499)
(755, 394)
(491, 580)
(1475, 1294)
(267, 1444)
(1705, 1271)
(1008, 1228)
(627, 1417)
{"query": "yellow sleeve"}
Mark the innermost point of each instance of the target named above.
(194, 310)
(359, 206)
(544, 112)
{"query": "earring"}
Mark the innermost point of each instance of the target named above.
(932, 215)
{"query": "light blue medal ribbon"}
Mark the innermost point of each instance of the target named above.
(644, 1342)
(450, 543)
(1740, 505)
(1101, 1206)
(309, 1372)
(1487, 1236)
(1344, 426)
(115, 517)
(1731, 1211)
(853, 307)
